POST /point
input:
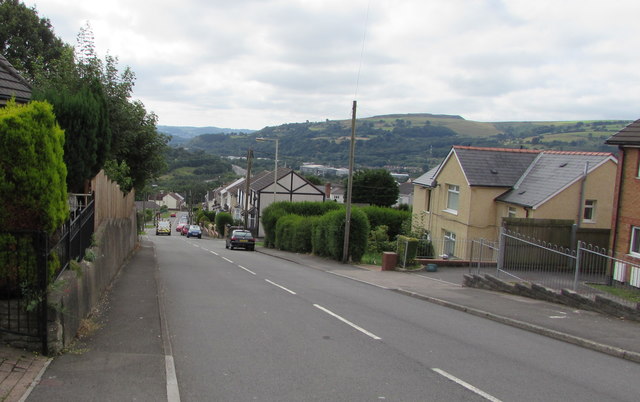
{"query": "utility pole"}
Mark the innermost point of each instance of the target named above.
(247, 188)
(347, 221)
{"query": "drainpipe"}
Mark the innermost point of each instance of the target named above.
(582, 188)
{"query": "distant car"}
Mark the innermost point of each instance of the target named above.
(163, 227)
(173, 214)
(180, 225)
(184, 229)
(194, 231)
(241, 238)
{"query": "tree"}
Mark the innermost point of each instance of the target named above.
(32, 172)
(28, 41)
(375, 187)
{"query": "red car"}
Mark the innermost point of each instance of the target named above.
(173, 214)
(181, 225)
(185, 229)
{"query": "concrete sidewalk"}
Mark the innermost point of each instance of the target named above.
(610, 335)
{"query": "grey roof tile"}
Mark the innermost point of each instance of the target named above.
(494, 167)
(12, 84)
(630, 135)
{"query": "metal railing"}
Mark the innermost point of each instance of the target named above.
(28, 264)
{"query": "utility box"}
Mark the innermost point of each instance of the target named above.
(389, 261)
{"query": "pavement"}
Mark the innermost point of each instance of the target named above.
(31, 377)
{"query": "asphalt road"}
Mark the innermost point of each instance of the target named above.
(246, 326)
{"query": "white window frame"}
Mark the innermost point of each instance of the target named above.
(449, 243)
(453, 190)
(589, 206)
(511, 212)
(634, 244)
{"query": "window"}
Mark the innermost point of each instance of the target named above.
(634, 249)
(589, 213)
(449, 246)
(453, 194)
(511, 212)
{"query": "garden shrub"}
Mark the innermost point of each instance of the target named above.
(293, 233)
(223, 219)
(392, 218)
(328, 234)
(275, 211)
(407, 249)
(33, 180)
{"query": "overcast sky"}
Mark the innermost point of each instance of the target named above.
(256, 63)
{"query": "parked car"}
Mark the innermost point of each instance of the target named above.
(180, 225)
(241, 238)
(195, 231)
(164, 227)
(173, 214)
(185, 229)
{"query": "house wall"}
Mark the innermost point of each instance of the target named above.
(629, 202)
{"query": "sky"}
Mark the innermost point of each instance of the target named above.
(248, 64)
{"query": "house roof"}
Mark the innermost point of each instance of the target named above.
(551, 173)
(493, 167)
(530, 177)
(428, 179)
(405, 188)
(265, 179)
(12, 84)
(630, 135)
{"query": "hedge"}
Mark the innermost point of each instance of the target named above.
(328, 234)
(390, 217)
(272, 213)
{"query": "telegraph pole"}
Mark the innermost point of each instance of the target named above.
(347, 221)
(247, 188)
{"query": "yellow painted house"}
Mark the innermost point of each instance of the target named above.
(467, 195)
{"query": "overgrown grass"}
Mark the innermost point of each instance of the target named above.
(623, 293)
(372, 258)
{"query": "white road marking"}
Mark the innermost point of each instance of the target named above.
(246, 269)
(466, 385)
(228, 260)
(364, 331)
(281, 287)
(173, 393)
(213, 252)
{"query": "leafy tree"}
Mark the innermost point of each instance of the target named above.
(28, 41)
(375, 187)
(32, 172)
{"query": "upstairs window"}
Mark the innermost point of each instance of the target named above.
(511, 212)
(589, 212)
(453, 194)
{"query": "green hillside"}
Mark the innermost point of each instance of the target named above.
(405, 142)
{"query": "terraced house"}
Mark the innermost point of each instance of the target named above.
(473, 189)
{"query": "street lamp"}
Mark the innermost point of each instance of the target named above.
(275, 170)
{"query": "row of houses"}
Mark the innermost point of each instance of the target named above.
(468, 195)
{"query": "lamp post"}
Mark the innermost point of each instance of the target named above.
(275, 170)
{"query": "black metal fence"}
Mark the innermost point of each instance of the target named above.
(29, 262)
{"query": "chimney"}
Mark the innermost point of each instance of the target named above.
(327, 191)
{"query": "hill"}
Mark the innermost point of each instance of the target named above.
(404, 142)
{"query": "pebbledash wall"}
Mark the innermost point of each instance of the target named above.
(115, 239)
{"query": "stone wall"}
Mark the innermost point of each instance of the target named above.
(565, 296)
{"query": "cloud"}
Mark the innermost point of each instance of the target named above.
(253, 63)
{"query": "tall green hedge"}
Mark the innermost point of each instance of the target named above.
(390, 217)
(223, 219)
(33, 175)
(272, 213)
(328, 234)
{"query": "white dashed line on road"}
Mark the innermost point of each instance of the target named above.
(246, 269)
(281, 287)
(466, 385)
(364, 331)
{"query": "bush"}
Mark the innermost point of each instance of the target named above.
(293, 233)
(33, 186)
(392, 218)
(407, 249)
(223, 219)
(275, 211)
(328, 234)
